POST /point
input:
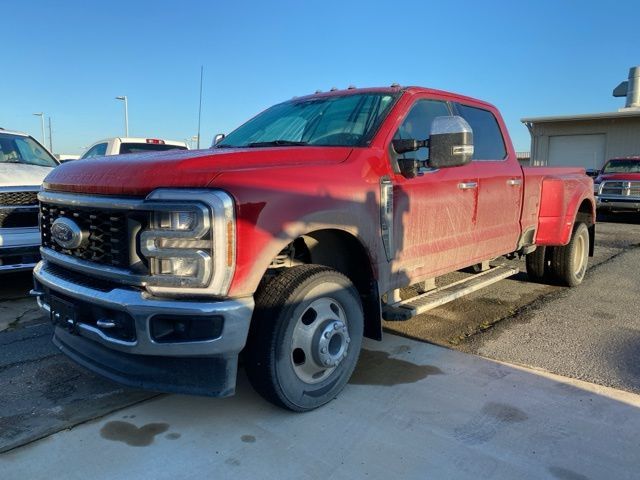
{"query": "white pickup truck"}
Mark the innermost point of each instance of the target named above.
(24, 163)
(124, 145)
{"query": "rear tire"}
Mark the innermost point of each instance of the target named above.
(569, 262)
(305, 337)
(536, 262)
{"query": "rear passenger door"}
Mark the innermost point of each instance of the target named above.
(500, 184)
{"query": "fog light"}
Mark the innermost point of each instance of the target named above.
(166, 329)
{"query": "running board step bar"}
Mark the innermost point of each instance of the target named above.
(409, 308)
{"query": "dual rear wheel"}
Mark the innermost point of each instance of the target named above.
(566, 264)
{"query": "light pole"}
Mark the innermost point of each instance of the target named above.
(50, 137)
(41, 115)
(126, 114)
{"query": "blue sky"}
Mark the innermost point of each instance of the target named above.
(70, 59)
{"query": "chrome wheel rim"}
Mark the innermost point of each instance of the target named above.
(580, 254)
(320, 340)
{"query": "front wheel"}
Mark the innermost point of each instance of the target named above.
(305, 337)
(569, 263)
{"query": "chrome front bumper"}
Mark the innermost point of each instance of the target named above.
(617, 203)
(205, 367)
(19, 248)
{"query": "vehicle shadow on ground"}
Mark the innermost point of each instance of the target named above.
(631, 218)
(15, 285)
(625, 356)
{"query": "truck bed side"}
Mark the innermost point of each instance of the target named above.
(553, 197)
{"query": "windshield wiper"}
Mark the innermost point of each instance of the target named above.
(276, 143)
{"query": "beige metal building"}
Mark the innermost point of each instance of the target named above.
(588, 140)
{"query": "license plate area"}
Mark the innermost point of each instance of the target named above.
(63, 313)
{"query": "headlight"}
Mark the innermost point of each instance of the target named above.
(190, 241)
(178, 245)
(176, 220)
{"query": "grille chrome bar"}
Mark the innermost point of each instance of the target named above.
(620, 188)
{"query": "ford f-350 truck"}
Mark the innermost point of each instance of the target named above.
(289, 239)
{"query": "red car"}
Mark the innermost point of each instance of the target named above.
(289, 240)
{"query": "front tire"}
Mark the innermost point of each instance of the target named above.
(305, 337)
(569, 262)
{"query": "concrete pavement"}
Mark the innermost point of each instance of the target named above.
(412, 410)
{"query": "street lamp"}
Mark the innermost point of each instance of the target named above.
(126, 114)
(41, 115)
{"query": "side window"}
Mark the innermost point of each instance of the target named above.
(487, 137)
(417, 124)
(96, 151)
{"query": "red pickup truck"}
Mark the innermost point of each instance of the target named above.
(289, 239)
(617, 186)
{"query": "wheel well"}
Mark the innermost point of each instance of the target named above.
(585, 215)
(343, 252)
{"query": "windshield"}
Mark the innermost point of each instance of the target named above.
(349, 120)
(622, 166)
(24, 150)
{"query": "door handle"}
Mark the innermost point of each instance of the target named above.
(514, 182)
(467, 185)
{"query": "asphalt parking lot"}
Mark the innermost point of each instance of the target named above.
(591, 333)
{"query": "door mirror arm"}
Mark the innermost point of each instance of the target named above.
(409, 167)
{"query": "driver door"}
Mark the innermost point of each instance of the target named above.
(435, 212)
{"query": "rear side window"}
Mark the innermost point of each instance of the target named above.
(147, 147)
(487, 138)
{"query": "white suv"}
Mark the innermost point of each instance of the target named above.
(124, 145)
(24, 163)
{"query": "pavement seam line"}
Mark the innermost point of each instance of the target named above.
(93, 419)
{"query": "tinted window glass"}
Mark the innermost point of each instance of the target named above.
(417, 124)
(487, 139)
(96, 151)
(147, 147)
(18, 149)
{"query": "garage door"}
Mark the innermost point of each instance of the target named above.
(577, 151)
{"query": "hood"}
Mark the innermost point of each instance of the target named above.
(22, 175)
(633, 177)
(139, 174)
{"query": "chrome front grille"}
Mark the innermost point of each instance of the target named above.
(108, 233)
(621, 188)
(18, 209)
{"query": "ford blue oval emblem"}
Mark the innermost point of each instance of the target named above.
(66, 233)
